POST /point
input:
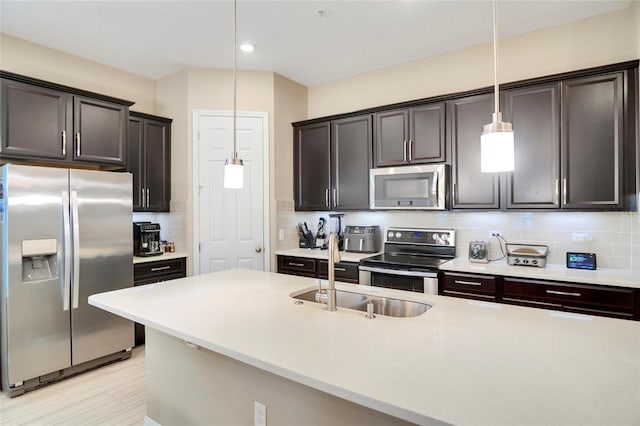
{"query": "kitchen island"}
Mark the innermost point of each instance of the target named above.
(220, 341)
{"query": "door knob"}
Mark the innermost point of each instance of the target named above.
(258, 249)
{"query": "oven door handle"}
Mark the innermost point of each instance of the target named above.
(399, 272)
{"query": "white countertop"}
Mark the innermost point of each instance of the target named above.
(462, 362)
(601, 276)
(316, 253)
(163, 256)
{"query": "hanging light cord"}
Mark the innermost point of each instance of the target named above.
(495, 59)
(235, 48)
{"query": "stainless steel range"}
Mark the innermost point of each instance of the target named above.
(410, 260)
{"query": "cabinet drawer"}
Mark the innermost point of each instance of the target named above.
(159, 270)
(589, 299)
(297, 266)
(469, 285)
(345, 271)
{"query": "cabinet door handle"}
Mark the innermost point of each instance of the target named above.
(564, 293)
(557, 197)
(147, 197)
(340, 269)
(335, 197)
(64, 143)
(326, 197)
(410, 150)
(404, 151)
(77, 144)
(296, 264)
(564, 191)
(142, 199)
(467, 282)
(160, 268)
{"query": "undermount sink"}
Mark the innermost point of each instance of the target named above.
(381, 305)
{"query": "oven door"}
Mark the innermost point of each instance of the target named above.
(416, 281)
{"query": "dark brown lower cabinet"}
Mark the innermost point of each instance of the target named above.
(469, 286)
(617, 302)
(590, 299)
(154, 272)
(317, 268)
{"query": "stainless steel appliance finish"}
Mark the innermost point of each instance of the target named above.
(410, 260)
(408, 187)
(362, 239)
(527, 255)
(65, 234)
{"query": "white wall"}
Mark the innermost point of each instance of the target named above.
(33, 60)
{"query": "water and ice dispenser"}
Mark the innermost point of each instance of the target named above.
(39, 259)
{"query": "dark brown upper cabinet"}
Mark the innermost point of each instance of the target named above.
(535, 114)
(36, 122)
(331, 164)
(471, 189)
(99, 131)
(592, 142)
(149, 160)
(47, 123)
(410, 136)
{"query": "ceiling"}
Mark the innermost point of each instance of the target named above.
(311, 42)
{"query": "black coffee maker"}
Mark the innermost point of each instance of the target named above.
(146, 239)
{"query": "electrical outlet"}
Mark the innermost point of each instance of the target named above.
(281, 234)
(259, 414)
(495, 233)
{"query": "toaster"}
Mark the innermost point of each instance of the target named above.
(362, 239)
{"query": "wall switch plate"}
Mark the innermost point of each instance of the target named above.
(281, 234)
(259, 414)
(581, 237)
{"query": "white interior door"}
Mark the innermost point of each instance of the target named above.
(230, 223)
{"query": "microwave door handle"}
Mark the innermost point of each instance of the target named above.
(434, 186)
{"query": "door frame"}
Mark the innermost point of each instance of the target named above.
(195, 177)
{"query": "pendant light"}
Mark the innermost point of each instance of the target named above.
(233, 167)
(496, 141)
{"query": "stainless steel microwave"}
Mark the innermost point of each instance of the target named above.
(408, 187)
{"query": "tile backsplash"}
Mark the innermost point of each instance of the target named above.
(613, 236)
(172, 225)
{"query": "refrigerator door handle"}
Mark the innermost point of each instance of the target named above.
(76, 248)
(66, 228)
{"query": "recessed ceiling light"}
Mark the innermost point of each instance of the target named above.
(247, 47)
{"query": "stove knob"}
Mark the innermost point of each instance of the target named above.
(534, 262)
(390, 234)
(435, 236)
(525, 261)
(516, 260)
(398, 235)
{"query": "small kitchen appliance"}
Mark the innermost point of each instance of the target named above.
(335, 226)
(146, 239)
(527, 255)
(362, 239)
(410, 260)
(479, 252)
(422, 187)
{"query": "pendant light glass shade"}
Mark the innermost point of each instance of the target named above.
(233, 167)
(233, 173)
(497, 152)
(496, 147)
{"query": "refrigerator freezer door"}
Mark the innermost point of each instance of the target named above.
(35, 326)
(101, 202)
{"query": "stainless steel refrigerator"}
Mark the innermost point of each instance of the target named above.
(65, 235)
